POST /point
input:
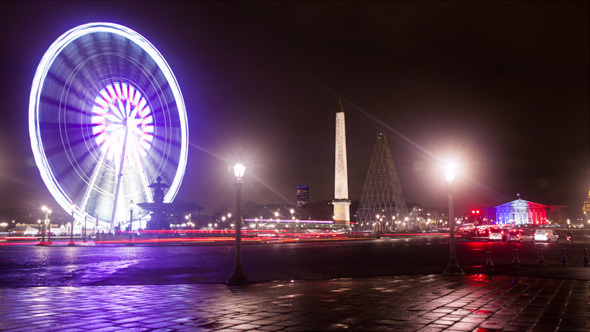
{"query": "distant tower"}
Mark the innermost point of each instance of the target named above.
(341, 202)
(382, 202)
(302, 196)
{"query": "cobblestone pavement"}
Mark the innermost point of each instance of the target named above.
(404, 303)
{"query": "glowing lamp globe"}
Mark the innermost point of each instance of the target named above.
(450, 173)
(239, 170)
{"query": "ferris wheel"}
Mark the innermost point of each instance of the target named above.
(106, 118)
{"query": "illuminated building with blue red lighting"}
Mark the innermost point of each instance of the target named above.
(521, 212)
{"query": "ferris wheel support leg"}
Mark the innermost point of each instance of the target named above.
(119, 177)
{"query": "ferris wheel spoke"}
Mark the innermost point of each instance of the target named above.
(92, 182)
(49, 101)
(141, 170)
(157, 156)
(119, 178)
(75, 110)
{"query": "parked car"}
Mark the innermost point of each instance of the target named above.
(519, 235)
(467, 230)
(546, 235)
(527, 236)
(497, 234)
(482, 231)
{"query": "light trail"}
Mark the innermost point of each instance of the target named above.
(185, 237)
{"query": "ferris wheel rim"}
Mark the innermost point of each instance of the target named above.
(40, 76)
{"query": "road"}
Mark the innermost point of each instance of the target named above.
(25, 266)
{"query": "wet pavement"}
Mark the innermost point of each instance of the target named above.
(398, 303)
(34, 266)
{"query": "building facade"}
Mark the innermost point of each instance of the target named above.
(521, 212)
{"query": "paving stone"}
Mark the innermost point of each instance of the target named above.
(400, 303)
(271, 328)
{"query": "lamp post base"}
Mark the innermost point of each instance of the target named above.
(130, 243)
(453, 269)
(238, 278)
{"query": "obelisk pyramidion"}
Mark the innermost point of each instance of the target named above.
(341, 202)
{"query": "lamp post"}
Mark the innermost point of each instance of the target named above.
(188, 220)
(85, 217)
(45, 222)
(43, 229)
(131, 206)
(71, 243)
(238, 277)
(49, 227)
(453, 267)
(292, 218)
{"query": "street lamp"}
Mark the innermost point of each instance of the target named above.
(47, 212)
(44, 209)
(453, 268)
(131, 206)
(49, 226)
(238, 277)
(71, 243)
(85, 217)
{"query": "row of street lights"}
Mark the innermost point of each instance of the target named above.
(238, 277)
(46, 227)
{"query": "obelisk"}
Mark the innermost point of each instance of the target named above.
(341, 202)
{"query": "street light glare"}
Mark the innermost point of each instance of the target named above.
(450, 171)
(239, 170)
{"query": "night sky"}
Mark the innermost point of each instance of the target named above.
(502, 86)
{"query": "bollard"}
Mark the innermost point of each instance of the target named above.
(489, 263)
(563, 258)
(515, 260)
(585, 257)
(541, 258)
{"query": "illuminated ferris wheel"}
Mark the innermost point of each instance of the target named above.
(106, 118)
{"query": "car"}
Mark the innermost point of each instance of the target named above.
(496, 234)
(467, 230)
(527, 236)
(482, 231)
(513, 236)
(546, 235)
(519, 235)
